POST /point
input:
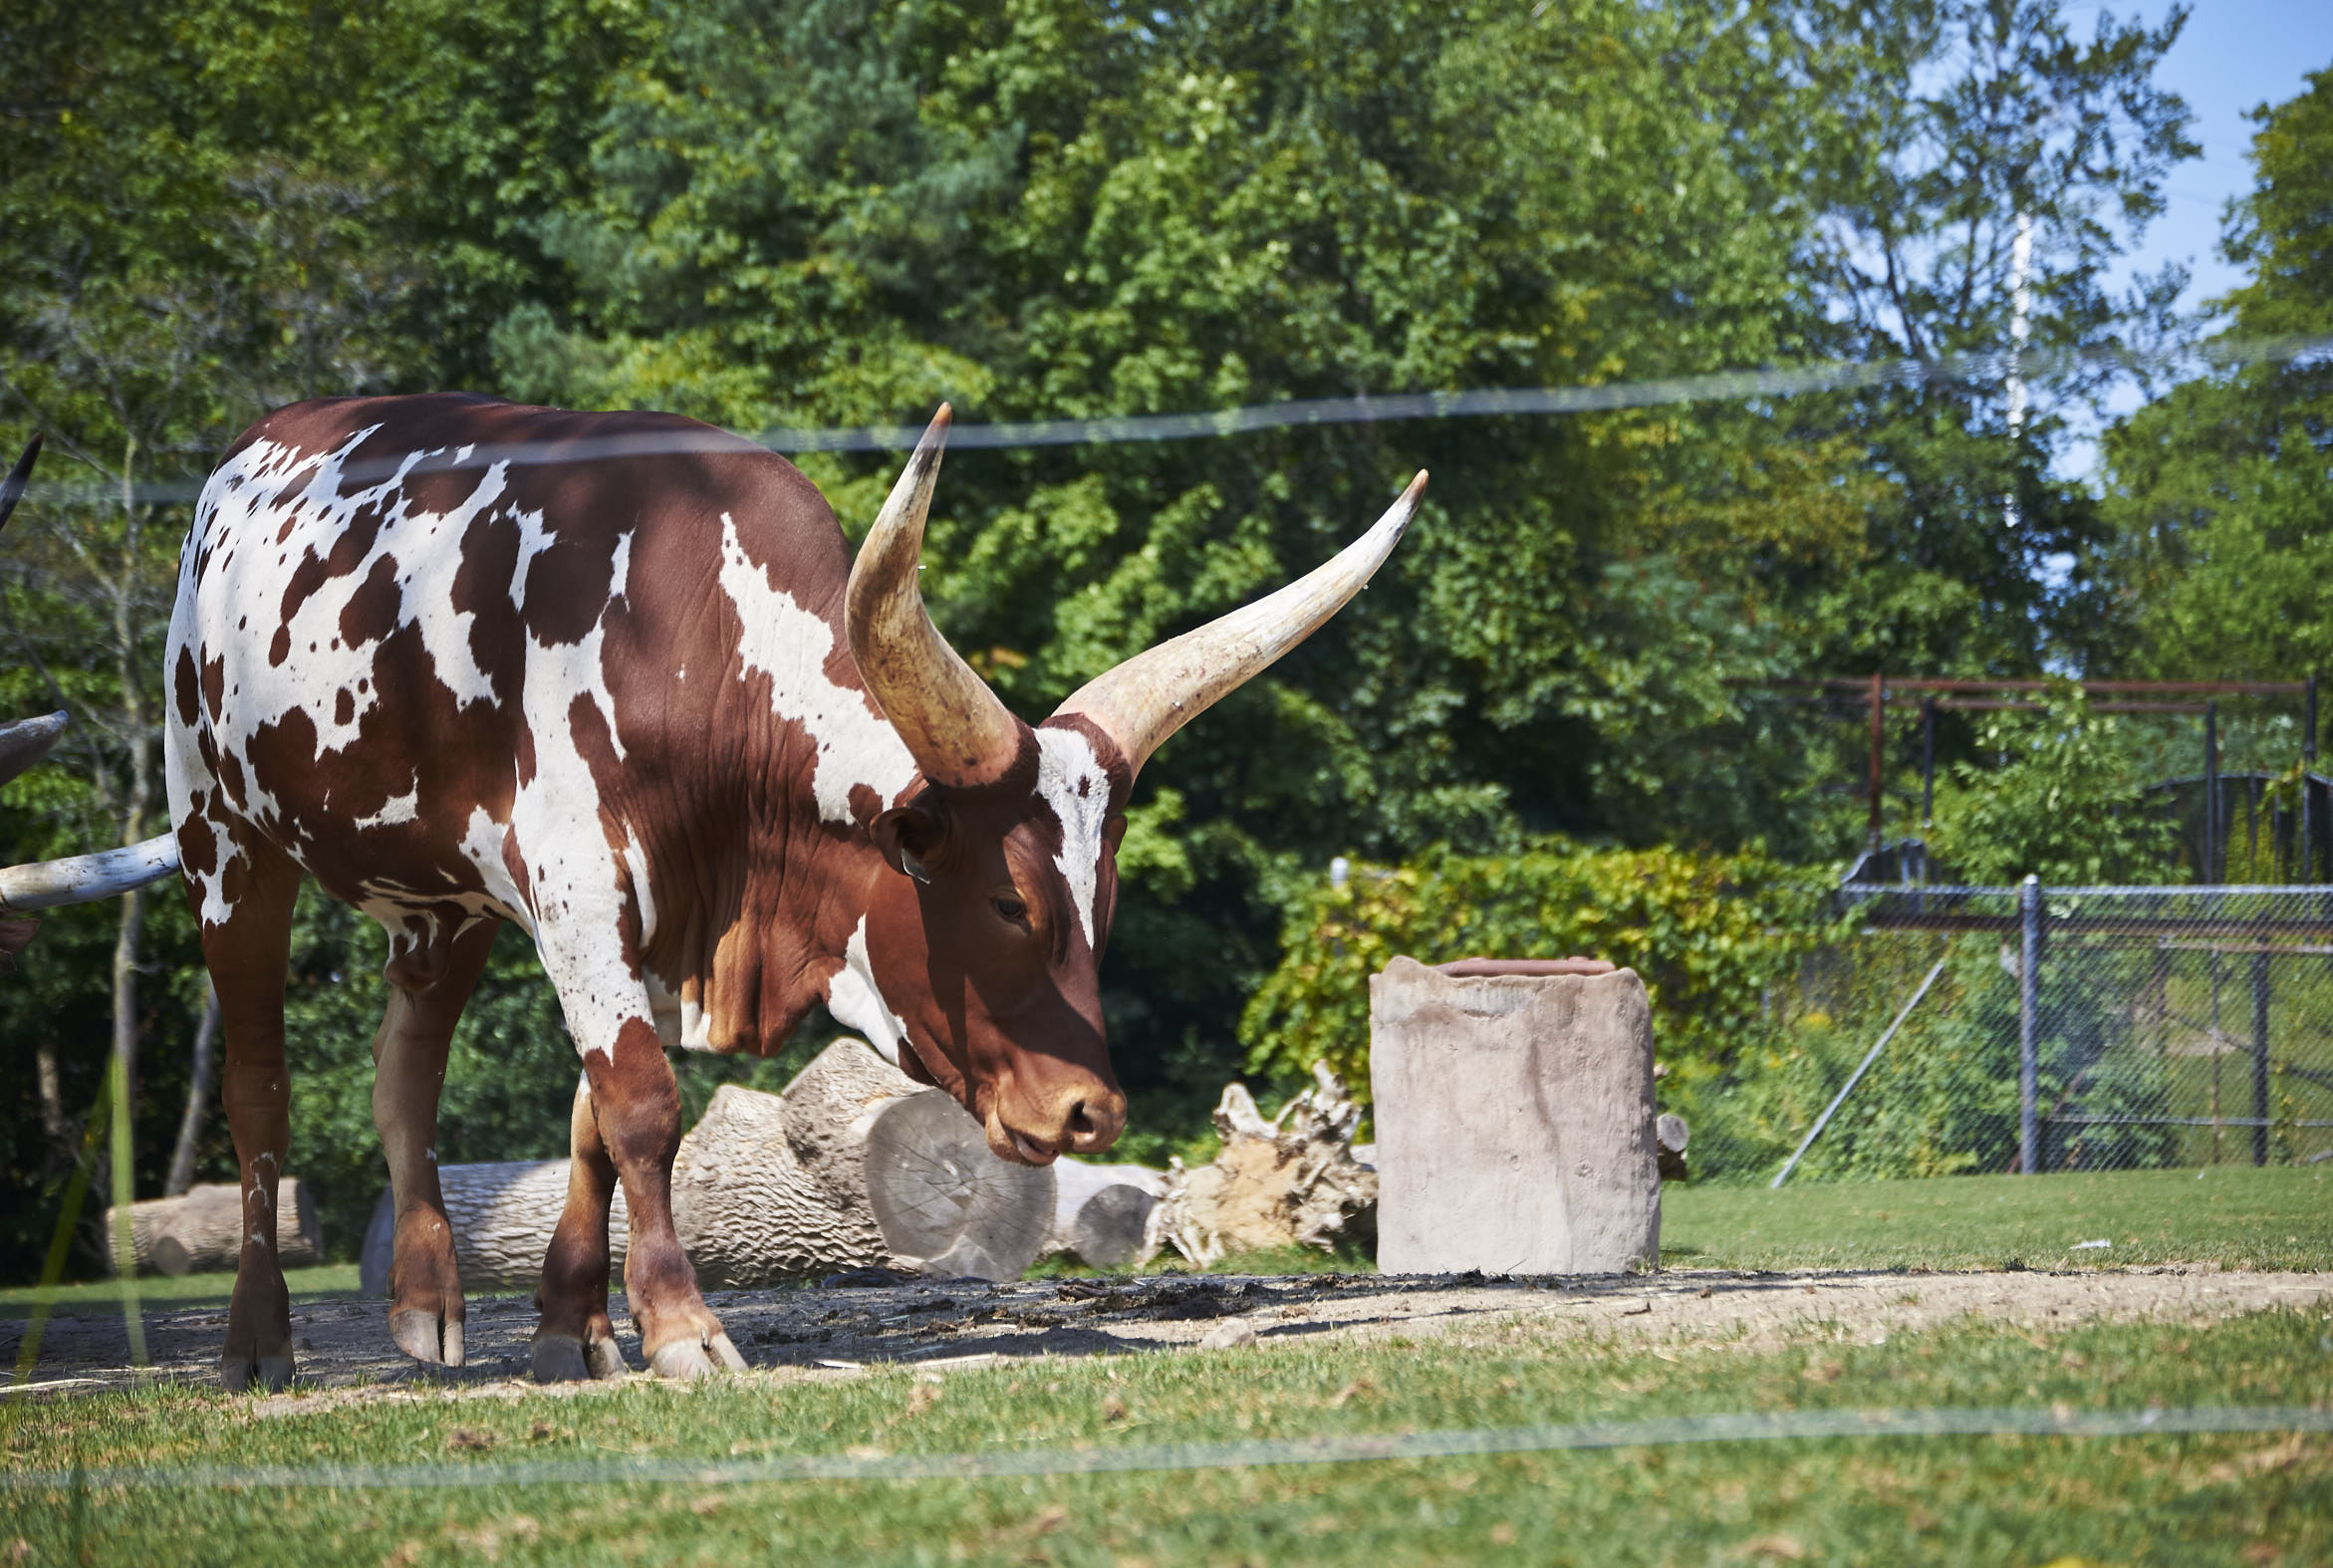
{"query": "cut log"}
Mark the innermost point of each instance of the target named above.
(880, 1143)
(502, 1214)
(200, 1232)
(749, 1211)
(854, 1165)
(1669, 1136)
(1288, 1181)
(1101, 1213)
(1514, 1121)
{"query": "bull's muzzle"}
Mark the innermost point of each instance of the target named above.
(1081, 1119)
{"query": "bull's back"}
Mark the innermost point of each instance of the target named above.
(400, 618)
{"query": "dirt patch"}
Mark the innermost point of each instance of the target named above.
(839, 1329)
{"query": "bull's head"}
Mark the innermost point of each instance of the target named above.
(987, 941)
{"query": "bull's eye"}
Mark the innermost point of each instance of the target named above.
(1011, 908)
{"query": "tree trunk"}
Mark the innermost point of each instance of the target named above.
(1288, 1181)
(201, 1231)
(199, 1085)
(1514, 1121)
(855, 1165)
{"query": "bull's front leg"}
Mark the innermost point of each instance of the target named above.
(575, 1338)
(628, 1120)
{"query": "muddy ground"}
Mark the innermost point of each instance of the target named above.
(842, 1324)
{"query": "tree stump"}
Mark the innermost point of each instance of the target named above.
(200, 1232)
(1101, 1213)
(1288, 1181)
(854, 1165)
(1514, 1121)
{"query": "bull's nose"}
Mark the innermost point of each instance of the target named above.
(1081, 1119)
(1094, 1125)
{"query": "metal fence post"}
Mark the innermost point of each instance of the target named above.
(2260, 1058)
(2028, 1063)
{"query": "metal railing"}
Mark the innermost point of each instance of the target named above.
(2065, 1028)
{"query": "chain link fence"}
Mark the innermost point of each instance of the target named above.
(2007, 1029)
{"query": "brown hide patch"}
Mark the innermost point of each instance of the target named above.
(567, 585)
(435, 484)
(309, 575)
(373, 610)
(187, 689)
(198, 844)
(344, 706)
(514, 861)
(483, 589)
(285, 749)
(355, 540)
(634, 1099)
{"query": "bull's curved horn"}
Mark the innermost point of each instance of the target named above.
(26, 741)
(85, 878)
(12, 488)
(1140, 702)
(957, 730)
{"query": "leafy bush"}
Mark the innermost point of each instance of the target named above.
(2066, 803)
(1712, 934)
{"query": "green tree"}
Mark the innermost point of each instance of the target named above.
(2221, 491)
(2065, 799)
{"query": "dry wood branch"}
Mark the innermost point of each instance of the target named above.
(1292, 1180)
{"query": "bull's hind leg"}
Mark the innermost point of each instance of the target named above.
(429, 980)
(248, 951)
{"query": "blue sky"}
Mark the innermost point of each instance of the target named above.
(2233, 56)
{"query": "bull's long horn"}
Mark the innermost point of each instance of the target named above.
(26, 741)
(957, 729)
(1140, 702)
(85, 878)
(12, 488)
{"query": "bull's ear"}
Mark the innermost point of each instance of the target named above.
(908, 836)
(1114, 832)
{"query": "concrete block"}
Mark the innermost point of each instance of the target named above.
(1514, 1121)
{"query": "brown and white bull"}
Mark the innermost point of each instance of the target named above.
(616, 677)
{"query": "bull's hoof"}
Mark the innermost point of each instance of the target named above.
(562, 1357)
(267, 1374)
(687, 1358)
(426, 1337)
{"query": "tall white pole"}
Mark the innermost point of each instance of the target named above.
(2020, 328)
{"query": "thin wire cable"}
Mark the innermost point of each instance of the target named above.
(1117, 430)
(1753, 1426)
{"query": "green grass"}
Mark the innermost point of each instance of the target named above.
(2185, 1499)
(326, 1282)
(2272, 1217)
